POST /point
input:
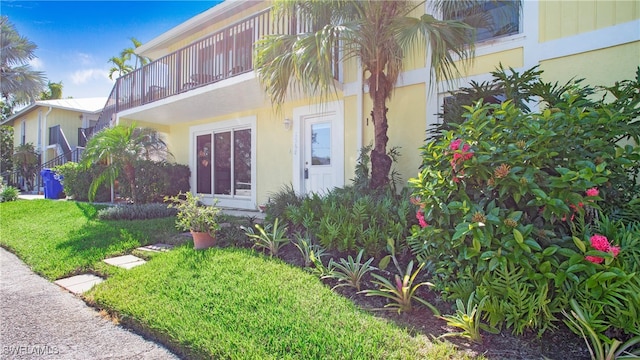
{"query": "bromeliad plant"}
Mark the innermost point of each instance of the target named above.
(271, 237)
(401, 292)
(349, 272)
(469, 319)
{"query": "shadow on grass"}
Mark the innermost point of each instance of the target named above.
(97, 240)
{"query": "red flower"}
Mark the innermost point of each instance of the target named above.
(421, 220)
(600, 242)
(592, 192)
(594, 259)
(455, 144)
(615, 250)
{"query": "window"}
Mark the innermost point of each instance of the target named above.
(224, 163)
(492, 19)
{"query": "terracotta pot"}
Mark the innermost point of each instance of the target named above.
(202, 240)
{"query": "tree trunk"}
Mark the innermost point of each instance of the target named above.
(130, 173)
(380, 161)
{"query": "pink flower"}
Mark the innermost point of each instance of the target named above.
(615, 250)
(455, 144)
(592, 192)
(600, 242)
(594, 259)
(421, 220)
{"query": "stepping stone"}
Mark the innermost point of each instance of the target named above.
(79, 283)
(125, 261)
(156, 247)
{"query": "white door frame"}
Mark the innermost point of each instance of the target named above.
(334, 109)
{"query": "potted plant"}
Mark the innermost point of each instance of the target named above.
(201, 220)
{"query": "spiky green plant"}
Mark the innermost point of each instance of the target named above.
(402, 292)
(270, 237)
(349, 272)
(600, 346)
(468, 319)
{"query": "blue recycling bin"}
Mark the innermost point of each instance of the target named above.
(52, 186)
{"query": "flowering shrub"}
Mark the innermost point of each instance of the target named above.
(505, 191)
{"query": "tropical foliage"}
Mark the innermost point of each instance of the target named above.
(19, 84)
(119, 148)
(509, 198)
(378, 34)
(26, 160)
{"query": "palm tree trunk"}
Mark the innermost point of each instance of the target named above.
(130, 173)
(380, 161)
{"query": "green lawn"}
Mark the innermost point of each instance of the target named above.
(59, 238)
(218, 303)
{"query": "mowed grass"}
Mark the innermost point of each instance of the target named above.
(59, 238)
(213, 304)
(235, 304)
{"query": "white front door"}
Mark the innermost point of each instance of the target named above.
(318, 148)
(319, 165)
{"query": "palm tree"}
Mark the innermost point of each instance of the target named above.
(26, 159)
(19, 83)
(129, 52)
(120, 66)
(375, 32)
(120, 147)
(53, 91)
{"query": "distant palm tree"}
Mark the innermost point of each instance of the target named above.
(129, 52)
(120, 147)
(19, 83)
(53, 92)
(26, 160)
(377, 33)
(120, 66)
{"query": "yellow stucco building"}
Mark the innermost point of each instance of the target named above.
(201, 92)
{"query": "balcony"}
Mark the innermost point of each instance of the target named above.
(214, 75)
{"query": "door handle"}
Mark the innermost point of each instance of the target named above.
(306, 173)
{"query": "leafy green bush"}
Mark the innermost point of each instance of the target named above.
(155, 180)
(136, 212)
(502, 193)
(348, 220)
(77, 180)
(8, 193)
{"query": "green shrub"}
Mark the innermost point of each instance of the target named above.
(136, 212)
(155, 180)
(349, 219)
(8, 193)
(77, 180)
(502, 194)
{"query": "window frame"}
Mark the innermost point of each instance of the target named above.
(245, 200)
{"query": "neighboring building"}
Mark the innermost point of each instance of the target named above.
(201, 92)
(58, 129)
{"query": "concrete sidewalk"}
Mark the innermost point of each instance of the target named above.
(40, 320)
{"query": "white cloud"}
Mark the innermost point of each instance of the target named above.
(85, 59)
(36, 64)
(86, 75)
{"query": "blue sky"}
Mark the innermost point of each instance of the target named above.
(75, 39)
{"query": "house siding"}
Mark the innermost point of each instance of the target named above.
(546, 29)
(560, 19)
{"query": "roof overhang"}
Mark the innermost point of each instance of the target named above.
(229, 96)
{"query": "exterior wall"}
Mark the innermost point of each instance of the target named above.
(31, 127)
(598, 67)
(560, 19)
(219, 25)
(69, 122)
(567, 39)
